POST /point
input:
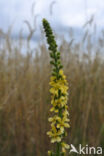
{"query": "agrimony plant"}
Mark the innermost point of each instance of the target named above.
(59, 96)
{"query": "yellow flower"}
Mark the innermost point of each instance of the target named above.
(64, 147)
(61, 72)
(54, 110)
(54, 119)
(53, 78)
(56, 139)
(63, 123)
(54, 132)
(65, 113)
(49, 153)
(54, 91)
(55, 135)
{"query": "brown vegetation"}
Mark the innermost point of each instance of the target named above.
(25, 98)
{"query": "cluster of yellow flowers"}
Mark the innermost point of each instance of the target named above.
(60, 120)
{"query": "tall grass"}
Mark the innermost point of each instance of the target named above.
(25, 100)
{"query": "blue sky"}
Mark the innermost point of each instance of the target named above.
(65, 13)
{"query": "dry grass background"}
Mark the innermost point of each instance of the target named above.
(25, 98)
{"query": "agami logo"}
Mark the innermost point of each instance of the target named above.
(86, 150)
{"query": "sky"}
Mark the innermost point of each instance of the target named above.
(61, 14)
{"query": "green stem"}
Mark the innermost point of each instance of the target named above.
(58, 149)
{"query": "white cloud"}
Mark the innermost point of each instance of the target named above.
(66, 12)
